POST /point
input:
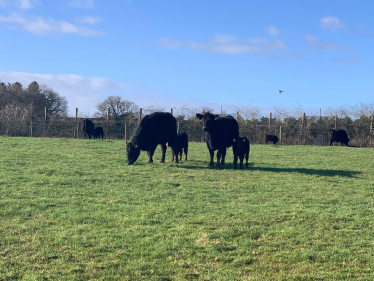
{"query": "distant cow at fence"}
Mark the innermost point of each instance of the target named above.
(87, 128)
(271, 138)
(219, 134)
(156, 128)
(338, 136)
(182, 146)
(98, 132)
(241, 148)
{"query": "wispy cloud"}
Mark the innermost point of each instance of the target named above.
(331, 23)
(347, 59)
(228, 44)
(272, 30)
(317, 45)
(81, 4)
(41, 26)
(88, 20)
(85, 93)
(27, 4)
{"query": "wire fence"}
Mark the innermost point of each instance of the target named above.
(305, 130)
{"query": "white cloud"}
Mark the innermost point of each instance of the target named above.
(81, 4)
(317, 45)
(272, 31)
(88, 20)
(331, 23)
(38, 25)
(228, 44)
(348, 59)
(85, 93)
(27, 4)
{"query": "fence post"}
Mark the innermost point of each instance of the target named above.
(336, 117)
(237, 115)
(371, 124)
(77, 122)
(140, 114)
(171, 111)
(270, 115)
(45, 121)
(125, 130)
(107, 122)
(280, 135)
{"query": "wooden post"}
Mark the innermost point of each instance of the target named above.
(107, 113)
(270, 115)
(45, 121)
(280, 135)
(371, 124)
(31, 128)
(171, 111)
(77, 122)
(237, 115)
(336, 117)
(140, 114)
(125, 130)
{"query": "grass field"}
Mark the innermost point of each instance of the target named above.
(74, 210)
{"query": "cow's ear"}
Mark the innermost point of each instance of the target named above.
(136, 145)
(233, 140)
(199, 116)
(243, 140)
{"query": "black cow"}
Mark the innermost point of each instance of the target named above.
(219, 134)
(241, 148)
(182, 145)
(98, 132)
(338, 136)
(156, 128)
(87, 128)
(271, 138)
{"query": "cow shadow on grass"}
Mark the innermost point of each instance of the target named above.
(307, 171)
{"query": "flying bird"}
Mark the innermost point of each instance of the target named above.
(280, 91)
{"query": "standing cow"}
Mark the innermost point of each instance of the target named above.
(87, 128)
(98, 132)
(156, 128)
(182, 146)
(338, 136)
(271, 138)
(219, 134)
(241, 148)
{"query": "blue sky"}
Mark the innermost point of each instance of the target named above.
(195, 53)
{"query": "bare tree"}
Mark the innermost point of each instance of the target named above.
(118, 108)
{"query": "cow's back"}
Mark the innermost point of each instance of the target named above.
(156, 128)
(225, 130)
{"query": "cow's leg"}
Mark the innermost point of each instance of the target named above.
(180, 154)
(235, 161)
(150, 156)
(223, 156)
(185, 152)
(163, 149)
(219, 155)
(211, 153)
(241, 161)
(246, 159)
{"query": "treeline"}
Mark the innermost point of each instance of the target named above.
(39, 111)
(21, 106)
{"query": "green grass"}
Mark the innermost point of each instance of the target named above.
(74, 210)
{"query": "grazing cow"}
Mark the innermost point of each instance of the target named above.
(156, 128)
(87, 128)
(98, 132)
(219, 134)
(271, 138)
(338, 136)
(182, 145)
(241, 148)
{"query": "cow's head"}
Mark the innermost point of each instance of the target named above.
(240, 142)
(208, 120)
(133, 152)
